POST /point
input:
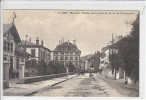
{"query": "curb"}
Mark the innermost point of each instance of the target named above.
(34, 92)
(62, 81)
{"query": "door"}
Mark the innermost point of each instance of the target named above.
(17, 67)
(11, 68)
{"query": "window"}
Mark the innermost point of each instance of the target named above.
(8, 46)
(55, 52)
(8, 33)
(5, 45)
(66, 58)
(66, 48)
(106, 62)
(71, 53)
(76, 63)
(56, 58)
(102, 62)
(43, 54)
(71, 58)
(4, 58)
(11, 47)
(76, 53)
(76, 58)
(62, 52)
(22, 60)
(33, 62)
(48, 56)
(61, 58)
(33, 52)
(61, 48)
(66, 52)
(18, 63)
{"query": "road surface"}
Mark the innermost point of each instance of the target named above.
(80, 86)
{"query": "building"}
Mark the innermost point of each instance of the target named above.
(118, 71)
(13, 57)
(82, 65)
(107, 62)
(95, 61)
(105, 65)
(66, 53)
(41, 56)
(87, 61)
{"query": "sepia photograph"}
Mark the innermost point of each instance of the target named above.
(70, 53)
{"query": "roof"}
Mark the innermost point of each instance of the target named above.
(67, 46)
(25, 43)
(96, 56)
(105, 48)
(8, 27)
(116, 45)
(22, 53)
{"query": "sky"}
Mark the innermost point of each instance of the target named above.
(92, 29)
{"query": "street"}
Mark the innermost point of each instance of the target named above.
(81, 86)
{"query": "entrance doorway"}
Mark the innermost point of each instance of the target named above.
(11, 68)
(17, 75)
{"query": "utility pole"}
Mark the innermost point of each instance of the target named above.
(25, 51)
(112, 57)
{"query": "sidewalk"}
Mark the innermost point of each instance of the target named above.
(26, 89)
(125, 89)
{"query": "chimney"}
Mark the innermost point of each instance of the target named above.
(30, 39)
(63, 40)
(74, 42)
(68, 42)
(42, 43)
(37, 41)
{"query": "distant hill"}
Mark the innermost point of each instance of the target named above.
(83, 58)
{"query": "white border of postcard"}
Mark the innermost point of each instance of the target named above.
(98, 5)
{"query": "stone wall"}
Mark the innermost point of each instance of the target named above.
(40, 78)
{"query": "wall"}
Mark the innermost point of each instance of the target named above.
(8, 54)
(29, 51)
(59, 55)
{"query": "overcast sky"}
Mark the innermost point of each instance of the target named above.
(92, 31)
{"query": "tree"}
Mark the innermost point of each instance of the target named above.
(51, 67)
(62, 68)
(116, 62)
(71, 67)
(129, 51)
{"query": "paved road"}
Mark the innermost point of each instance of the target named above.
(80, 86)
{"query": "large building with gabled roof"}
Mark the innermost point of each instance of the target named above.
(66, 53)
